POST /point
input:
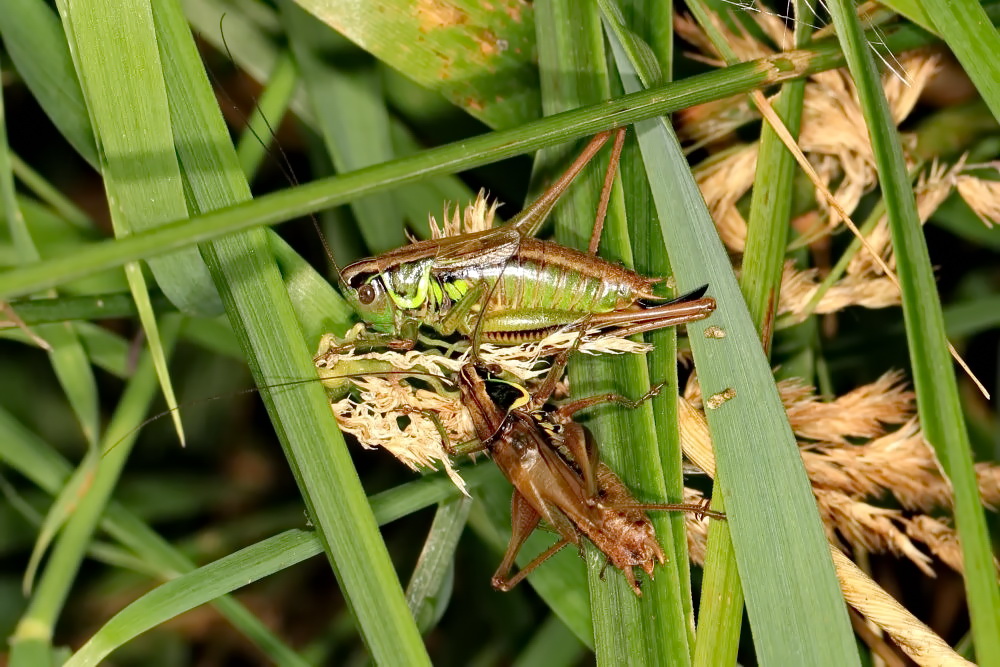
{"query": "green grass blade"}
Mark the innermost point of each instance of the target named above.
(476, 55)
(549, 131)
(720, 613)
(318, 306)
(265, 322)
(207, 583)
(54, 235)
(72, 367)
(573, 72)
(420, 200)
(252, 50)
(794, 602)
(719, 619)
(59, 513)
(973, 39)
(49, 194)
(913, 10)
(244, 37)
(66, 354)
(36, 460)
(654, 19)
(140, 167)
(762, 265)
(250, 564)
(37, 45)
(938, 401)
(144, 308)
(352, 117)
(106, 350)
(238, 33)
(95, 307)
(552, 646)
(968, 318)
(37, 625)
(430, 585)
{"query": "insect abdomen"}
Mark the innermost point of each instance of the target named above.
(545, 286)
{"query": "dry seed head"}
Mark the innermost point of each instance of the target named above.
(917, 640)
(384, 405)
(833, 135)
(523, 360)
(710, 122)
(940, 538)
(477, 216)
(390, 412)
(865, 526)
(697, 527)
(898, 462)
(860, 413)
(933, 187)
(799, 287)
(982, 196)
(743, 44)
(723, 180)
(334, 352)
(988, 476)
(714, 122)
(775, 26)
(895, 460)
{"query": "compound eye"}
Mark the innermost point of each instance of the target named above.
(366, 294)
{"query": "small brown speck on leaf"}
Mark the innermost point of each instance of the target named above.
(437, 14)
(514, 9)
(715, 401)
(489, 45)
(715, 332)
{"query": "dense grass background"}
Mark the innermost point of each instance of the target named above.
(111, 102)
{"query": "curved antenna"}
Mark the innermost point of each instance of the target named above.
(274, 151)
(256, 390)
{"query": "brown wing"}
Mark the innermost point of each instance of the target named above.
(495, 246)
(488, 247)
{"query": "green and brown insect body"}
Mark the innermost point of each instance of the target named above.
(557, 477)
(549, 458)
(513, 287)
(540, 288)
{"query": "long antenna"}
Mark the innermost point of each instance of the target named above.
(257, 390)
(273, 149)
